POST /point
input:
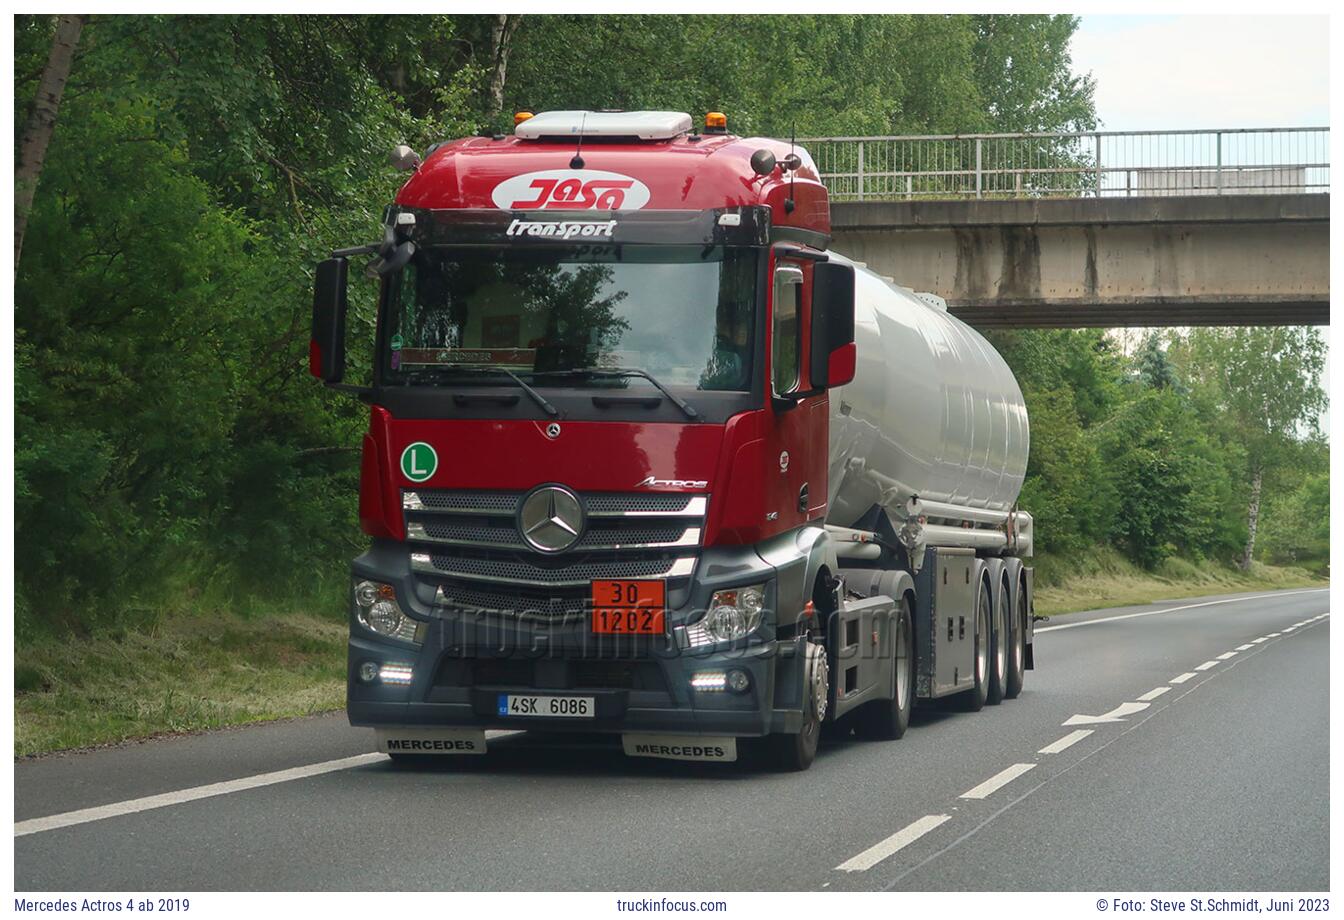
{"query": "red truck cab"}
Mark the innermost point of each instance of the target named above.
(595, 472)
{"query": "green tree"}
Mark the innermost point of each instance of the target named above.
(1265, 384)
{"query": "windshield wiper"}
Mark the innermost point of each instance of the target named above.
(522, 384)
(619, 372)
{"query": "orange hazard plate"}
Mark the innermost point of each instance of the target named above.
(629, 607)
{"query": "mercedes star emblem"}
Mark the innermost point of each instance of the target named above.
(551, 519)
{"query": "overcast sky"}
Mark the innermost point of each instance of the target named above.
(1165, 72)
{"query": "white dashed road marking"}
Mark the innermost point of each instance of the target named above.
(1226, 655)
(902, 838)
(1206, 665)
(997, 781)
(1182, 678)
(1066, 742)
(1261, 639)
(1242, 648)
(1115, 715)
(1153, 694)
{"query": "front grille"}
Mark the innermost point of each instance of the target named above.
(467, 546)
(547, 602)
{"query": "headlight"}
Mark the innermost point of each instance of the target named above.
(733, 614)
(377, 610)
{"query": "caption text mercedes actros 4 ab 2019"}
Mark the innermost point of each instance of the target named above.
(646, 458)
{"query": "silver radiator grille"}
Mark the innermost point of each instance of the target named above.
(467, 545)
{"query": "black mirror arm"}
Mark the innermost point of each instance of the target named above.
(790, 400)
(366, 249)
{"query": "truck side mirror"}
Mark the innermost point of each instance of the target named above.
(326, 348)
(833, 355)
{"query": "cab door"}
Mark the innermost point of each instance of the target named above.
(796, 424)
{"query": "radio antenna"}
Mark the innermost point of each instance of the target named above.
(577, 161)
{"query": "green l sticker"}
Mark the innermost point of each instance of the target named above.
(418, 461)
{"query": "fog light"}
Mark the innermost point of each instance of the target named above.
(709, 681)
(738, 681)
(395, 673)
(368, 672)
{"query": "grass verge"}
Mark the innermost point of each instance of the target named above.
(1103, 579)
(184, 673)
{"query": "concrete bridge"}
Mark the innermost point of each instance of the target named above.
(1055, 239)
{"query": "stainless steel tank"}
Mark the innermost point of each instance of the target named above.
(933, 410)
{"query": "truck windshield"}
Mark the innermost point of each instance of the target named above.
(682, 314)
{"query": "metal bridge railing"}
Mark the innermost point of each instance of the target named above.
(1110, 164)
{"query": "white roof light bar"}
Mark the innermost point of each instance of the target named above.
(649, 126)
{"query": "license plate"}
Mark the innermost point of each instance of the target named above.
(547, 707)
(629, 607)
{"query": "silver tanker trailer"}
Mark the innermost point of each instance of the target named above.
(928, 451)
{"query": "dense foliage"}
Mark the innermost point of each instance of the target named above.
(169, 441)
(1155, 453)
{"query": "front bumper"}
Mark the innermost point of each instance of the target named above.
(638, 684)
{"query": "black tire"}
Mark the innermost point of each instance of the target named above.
(795, 752)
(998, 660)
(1017, 654)
(887, 720)
(973, 700)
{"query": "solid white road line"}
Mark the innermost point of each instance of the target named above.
(131, 806)
(182, 796)
(1066, 742)
(1226, 655)
(997, 781)
(1153, 694)
(1182, 678)
(1149, 613)
(1206, 665)
(902, 838)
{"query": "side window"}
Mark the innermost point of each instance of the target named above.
(788, 296)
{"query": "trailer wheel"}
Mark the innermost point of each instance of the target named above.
(973, 700)
(1017, 669)
(998, 676)
(887, 720)
(795, 752)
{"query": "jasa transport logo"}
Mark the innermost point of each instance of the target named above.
(571, 189)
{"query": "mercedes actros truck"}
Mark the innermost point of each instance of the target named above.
(645, 457)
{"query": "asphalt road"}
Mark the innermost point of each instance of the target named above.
(1220, 781)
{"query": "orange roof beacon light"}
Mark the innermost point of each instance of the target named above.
(520, 117)
(716, 123)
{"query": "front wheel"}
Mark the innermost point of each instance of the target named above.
(887, 720)
(795, 752)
